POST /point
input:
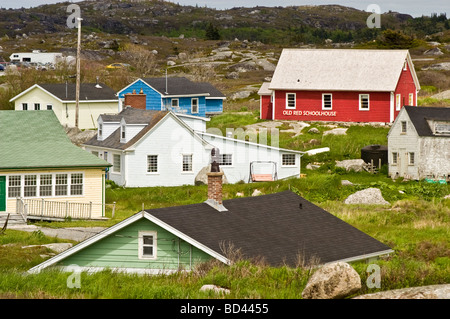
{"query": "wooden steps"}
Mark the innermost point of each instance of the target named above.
(14, 219)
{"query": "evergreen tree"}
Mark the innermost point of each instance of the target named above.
(212, 32)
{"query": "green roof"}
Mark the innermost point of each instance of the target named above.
(37, 140)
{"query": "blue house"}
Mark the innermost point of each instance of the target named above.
(177, 94)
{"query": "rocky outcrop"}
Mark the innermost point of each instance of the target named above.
(369, 196)
(332, 281)
(425, 292)
(356, 165)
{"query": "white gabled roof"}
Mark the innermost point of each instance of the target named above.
(340, 70)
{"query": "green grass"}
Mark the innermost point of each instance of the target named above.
(415, 225)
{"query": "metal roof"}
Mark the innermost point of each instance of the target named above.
(340, 70)
(36, 139)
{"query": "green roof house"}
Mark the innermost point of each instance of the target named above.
(40, 167)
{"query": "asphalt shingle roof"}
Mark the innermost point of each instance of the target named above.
(273, 227)
(36, 139)
(182, 86)
(88, 91)
(131, 116)
(420, 115)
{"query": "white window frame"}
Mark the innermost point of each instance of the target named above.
(283, 161)
(411, 158)
(141, 244)
(368, 102)
(66, 185)
(287, 101)
(226, 159)
(35, 186)
(17, 186)
(49, 107)
(177, 104)
(25, 106)
(403, 127)
(41, 185)
(189, 163)
(323, 101)
(398, 102)
(394, 158)
(37, 106)
(71, 184)
(192, 105)
(123, 132)
(157, 166)
(100, 130)
(117, 168)
(411, 99)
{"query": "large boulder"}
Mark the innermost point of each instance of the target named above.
(332, 281)
(202, 177)
(370, 196)
(356, 165)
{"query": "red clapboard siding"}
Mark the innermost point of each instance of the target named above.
(345, 107)
(404, 87)
(266, 107)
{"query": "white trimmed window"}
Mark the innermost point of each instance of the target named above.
(30, 186)
(364, 103)
(123, 132)
(404, 127)
(14, 186)
(290, 100)
(411, 99)
(152, 163)
(147, 245)
(327, 101)
(37, 106)
(194, 105)
(398, 102)
(288, 159)
(411, 158)
(187, 163)
(394, 158)
(61, 184)
(49, 107)
(226, 159)
(100, 130)
(116, 163)
(76, 184)
(45, 185)
(175, 103)
(25, 106)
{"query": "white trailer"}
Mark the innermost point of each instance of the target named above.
(37, 56)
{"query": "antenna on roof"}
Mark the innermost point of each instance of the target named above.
(166, 83)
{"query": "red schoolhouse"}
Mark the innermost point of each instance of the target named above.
(342, 85)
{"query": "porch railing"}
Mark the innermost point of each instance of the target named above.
(56, 209)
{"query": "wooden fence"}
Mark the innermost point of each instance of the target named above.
(46, 209)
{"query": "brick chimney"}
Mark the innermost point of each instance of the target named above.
(215, 180)
(137, 101)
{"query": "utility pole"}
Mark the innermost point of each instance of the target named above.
(77, 92)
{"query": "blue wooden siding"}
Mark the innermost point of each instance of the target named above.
(214, 105)
(120, 250)
(185, 105)
(153, 99)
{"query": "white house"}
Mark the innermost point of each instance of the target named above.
(160, 148)
(95, 99)
(419, 143)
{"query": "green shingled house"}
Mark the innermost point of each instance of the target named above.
(40, 167)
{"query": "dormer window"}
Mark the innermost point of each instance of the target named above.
(442, 128)
(100, 130)
(123, 134)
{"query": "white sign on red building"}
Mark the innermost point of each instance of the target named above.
(340, 85)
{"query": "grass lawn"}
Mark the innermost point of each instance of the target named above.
(415, 225)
